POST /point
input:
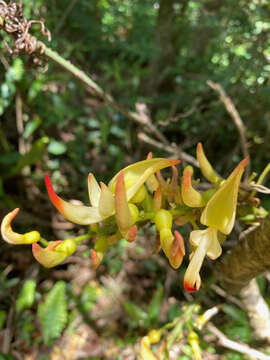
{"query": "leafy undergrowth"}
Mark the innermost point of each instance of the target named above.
(74, 312)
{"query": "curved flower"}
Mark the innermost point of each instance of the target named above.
(97, 254)
(14, 238)
(205, 166)
(177, 250)
(207, 243)
(102, 198)
(79, 214)
(140, 172)
(220, 210)
(55, 253)
(190, 196)
(218, 215)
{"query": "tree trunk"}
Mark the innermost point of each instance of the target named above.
(167, 46)
(249, 259)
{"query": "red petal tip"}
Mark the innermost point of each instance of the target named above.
(188, 287)
(55, 199)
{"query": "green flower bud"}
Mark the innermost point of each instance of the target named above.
(67, 246)
(140, 195)
(163, 219)
(154, 336)
(134, 212)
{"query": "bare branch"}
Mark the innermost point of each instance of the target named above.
(171, 149)
(230, 107)
(233, 345)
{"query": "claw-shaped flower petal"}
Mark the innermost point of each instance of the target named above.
(122, 214)
(152, 182)
(97, 254)
(163, 221)
(55, 253)
(173, 188)
(221, 208)
(106, 202)
(101, 198)
(205, 166)
(140, 172)
(177, 250)
(207, 244)
(190, 196)
(14, 238)
(157, 199)
(93, 190)
(79, 214)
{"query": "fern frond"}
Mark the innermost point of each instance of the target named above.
(53, 312)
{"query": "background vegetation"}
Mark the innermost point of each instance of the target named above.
(156, 57)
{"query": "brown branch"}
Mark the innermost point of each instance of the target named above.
(249, 259)
(171, 149)
(233, 345)
(230, 107)
(257, 310)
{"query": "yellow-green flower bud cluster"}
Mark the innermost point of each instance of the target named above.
(139, 195)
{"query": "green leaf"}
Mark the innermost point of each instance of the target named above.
(31, 157)
(31, 126)
(154, 307)
(53, 312)
(105, 130)
(57, 147)
(6, 357)
(26, 296)
(3, 316)
(137, 314)
(235, 313)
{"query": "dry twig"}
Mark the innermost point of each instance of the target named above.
(171, 149)
(13, 22)
(233, 345)
(230, 107)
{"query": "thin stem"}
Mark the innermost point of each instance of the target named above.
(44, 242)
(79, 239)
(261, 178)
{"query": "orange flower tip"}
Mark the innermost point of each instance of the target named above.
(103, 186)
(149, 156)
(120, 184)
(174, 162)
(94, 259)
(187, 179)
(131, 235)
(178, 244)
(188, 287)
(53, 196)
(199, 147)
(244, 162)
(15, 212)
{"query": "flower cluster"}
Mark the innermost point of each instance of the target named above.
(138, 195)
